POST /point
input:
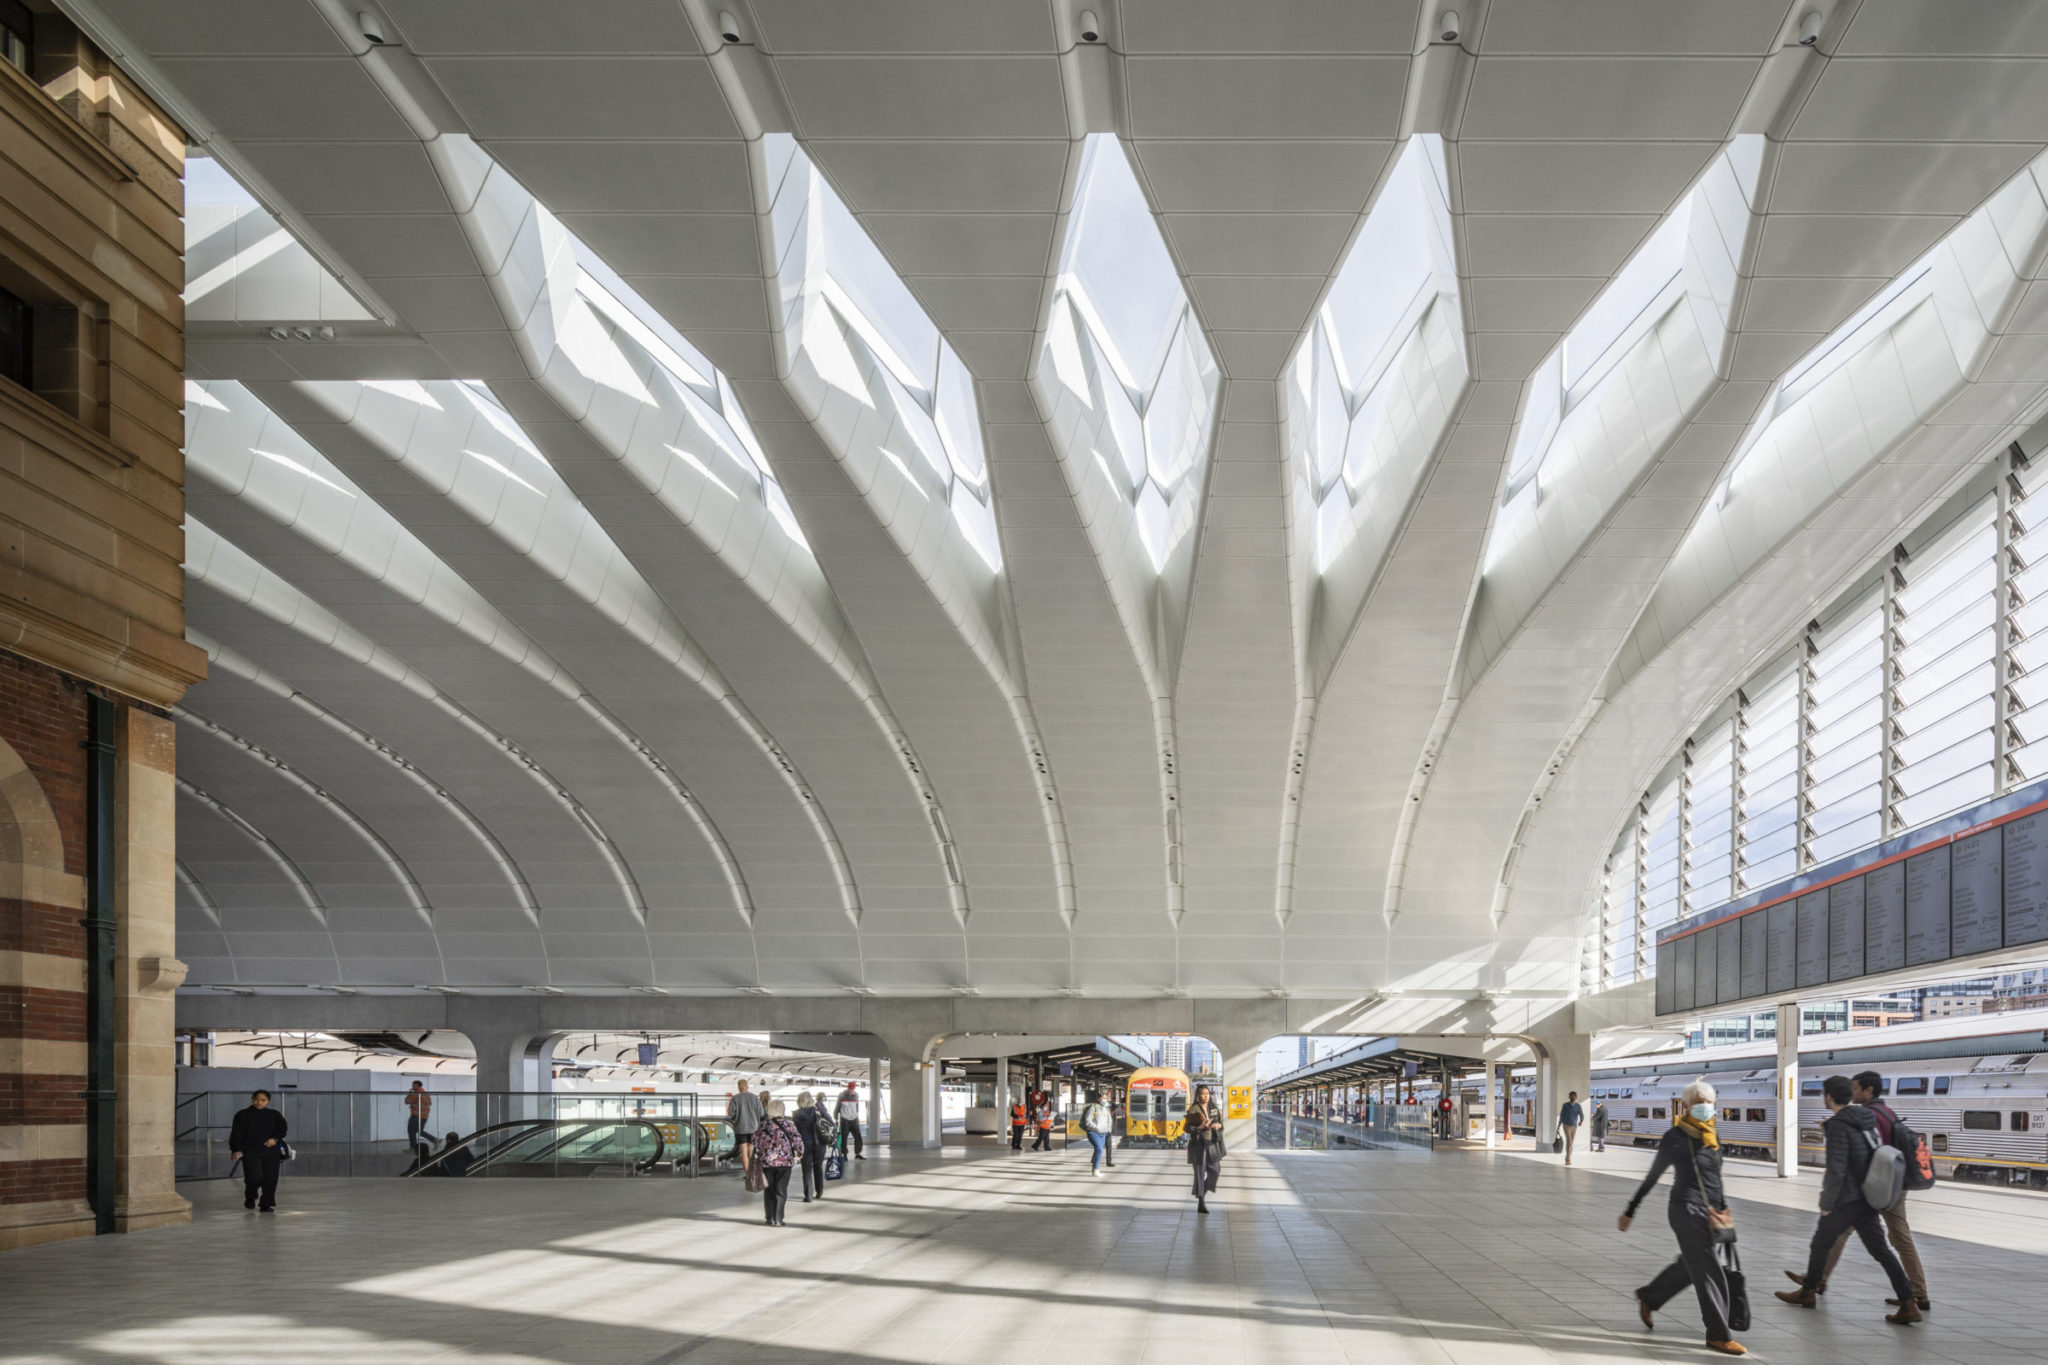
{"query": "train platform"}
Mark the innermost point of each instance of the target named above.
(1389, 1257)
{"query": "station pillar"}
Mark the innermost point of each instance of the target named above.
(1486, 1094)
(1787, 1073)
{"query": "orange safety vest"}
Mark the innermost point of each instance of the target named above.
(1017, 1116)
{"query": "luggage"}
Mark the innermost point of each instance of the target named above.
(835, 1166)
(1557, 1145)
(1738, 1289)
(1884, 1183)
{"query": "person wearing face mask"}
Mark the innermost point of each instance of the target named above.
(1691, 1152)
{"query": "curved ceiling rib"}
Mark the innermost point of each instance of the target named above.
(400, 872)
(222, 657)
(307, 893)
(226, 569)
(1368, 397)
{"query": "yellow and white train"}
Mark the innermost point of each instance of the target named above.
(1156, 1107)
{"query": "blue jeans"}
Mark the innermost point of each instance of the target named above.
(1096, 1142)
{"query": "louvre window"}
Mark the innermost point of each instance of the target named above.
(1920, 694)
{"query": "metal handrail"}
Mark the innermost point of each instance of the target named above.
(581, 1126)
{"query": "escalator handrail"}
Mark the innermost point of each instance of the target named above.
(582, 1126)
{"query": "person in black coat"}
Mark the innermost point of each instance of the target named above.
(1851, 1131)
(255, 1138)
(813, 1159)
(1690, 1151)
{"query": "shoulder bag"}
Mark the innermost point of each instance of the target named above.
(1720, 1222)
(1738, 1289)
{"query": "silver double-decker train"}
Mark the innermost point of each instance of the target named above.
(1976, 1087)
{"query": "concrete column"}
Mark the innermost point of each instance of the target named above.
(1002, 1093)
(873, 1132)
(1788, 1089)
(1486, 1092)
(1564, 1063)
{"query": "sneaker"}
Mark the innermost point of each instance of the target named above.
(1097, 1174)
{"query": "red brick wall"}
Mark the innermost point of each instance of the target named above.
(43, 718)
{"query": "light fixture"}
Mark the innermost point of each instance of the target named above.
(1091, 27)
(1447, 26)
(728, 26)
(1809, 28)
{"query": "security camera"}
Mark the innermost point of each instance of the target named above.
(1091, 27)
(1447, 26)
(371, 27)
(1809, 28)
(728, 27)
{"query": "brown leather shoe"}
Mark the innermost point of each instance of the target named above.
(1922, 1304)
(1798, 1298)
(1643, 1312)
(1728, 1348)
(1906, 1316)
(1800, 1280)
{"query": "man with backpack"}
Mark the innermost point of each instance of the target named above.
(1852, 1142)
(1893, 1132)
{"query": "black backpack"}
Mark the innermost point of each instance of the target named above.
(1919, 1173)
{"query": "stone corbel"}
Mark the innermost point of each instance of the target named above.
(159, 975)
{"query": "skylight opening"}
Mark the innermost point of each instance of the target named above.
(847, 299)
(208, 185)
(1632, 293)
(1343, 384)
(615, 310)
(1116, 264)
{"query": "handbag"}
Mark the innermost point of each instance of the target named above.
(835, 1166)
(1556, 1145)
(1738, 1289)
(756, 1179)
(284, 1150)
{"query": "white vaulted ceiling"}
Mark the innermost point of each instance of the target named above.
(714, 515)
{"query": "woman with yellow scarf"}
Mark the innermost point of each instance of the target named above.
(1698, 1208)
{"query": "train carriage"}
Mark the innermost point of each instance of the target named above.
(1157, 1099)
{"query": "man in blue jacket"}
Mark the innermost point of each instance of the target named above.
(1851, 1132)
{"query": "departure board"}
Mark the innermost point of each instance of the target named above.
(1976, 894)
(1813, 940)
(1973, 884)
(1884, 918)
(1927, 907)
(1754, 982)
(1729, 973)
(2026, 880)
(1845, 929)
(1682, 970)
(1781, 947)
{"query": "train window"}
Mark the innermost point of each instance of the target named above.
(1981, 1120)
(1941, 1085)
(1657, 1112)
(1809, 1087)
(1759, 1116)
(1940, 1141)
(1912, 1085)
(1731, 1116)
(1176, 1104)
(2021, 1120)
(1642, 1113)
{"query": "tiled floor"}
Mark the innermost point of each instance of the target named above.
(997, 1259)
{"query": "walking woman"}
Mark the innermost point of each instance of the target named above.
(1095, 1123)
(1205, 1145)
(779, 1145)
(1692, 1154)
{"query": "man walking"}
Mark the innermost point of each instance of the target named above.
(255, 1140)
(1869, 1093)
(744, 1112)
(1569, 1117)
(1041, 1114)
(849, 1121)
(418, 1105)
(1849, 1130)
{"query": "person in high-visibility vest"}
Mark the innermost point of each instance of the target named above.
(1019, 1116)
(1042, 1112)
